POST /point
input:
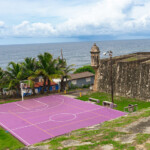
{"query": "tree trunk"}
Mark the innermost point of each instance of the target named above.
(44, 85)
(1, 90)
(62, 84)
(49, 84)
(18, 90)
(33, 90)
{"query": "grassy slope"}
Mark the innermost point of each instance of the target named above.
(8, 141)
(120, 101)
(106, 134)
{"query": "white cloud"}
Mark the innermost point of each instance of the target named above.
(102, 14)
(33, 29)
(2, 24)
(71, 18)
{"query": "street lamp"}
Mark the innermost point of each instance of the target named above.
(111, 80)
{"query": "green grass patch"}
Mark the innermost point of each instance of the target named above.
(147, 146)
(56, 142)
(131, 59)
(7, 141)
(110, 134)
(120, 101)
(141, 138)
(125, 120)
(88, 133)
(8, 101)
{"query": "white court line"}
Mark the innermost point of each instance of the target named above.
(21, 106)
(53, 120)
(89, 111)
(21, 139)
(41, 103)
(37, 110)
(28, 108)
(30, 125)
(74, 117)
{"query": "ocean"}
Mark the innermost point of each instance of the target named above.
(77, 53)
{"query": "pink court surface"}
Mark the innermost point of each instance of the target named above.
(35, 120)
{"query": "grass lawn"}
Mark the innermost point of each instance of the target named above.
(120, 101)
(8, 101)
(7, 141)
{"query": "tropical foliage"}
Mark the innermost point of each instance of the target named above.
(30, 69)
(84, 69)
(65, 70)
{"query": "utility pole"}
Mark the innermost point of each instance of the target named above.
(62, 54)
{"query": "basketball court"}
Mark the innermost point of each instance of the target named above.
(34, 120)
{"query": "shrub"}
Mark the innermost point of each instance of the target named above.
(84, 69)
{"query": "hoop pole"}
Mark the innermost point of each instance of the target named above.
(22, 91)
(22, 94)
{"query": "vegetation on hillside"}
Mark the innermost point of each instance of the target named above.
(7, 141)
(84, 69)
(44, 66)
(120, 101)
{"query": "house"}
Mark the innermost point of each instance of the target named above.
(38, 87)
(81, 79)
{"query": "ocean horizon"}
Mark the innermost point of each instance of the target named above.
(77, 53)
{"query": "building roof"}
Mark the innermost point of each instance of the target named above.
(81, 75)
(39, 84)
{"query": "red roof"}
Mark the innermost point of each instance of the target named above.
(38, 84)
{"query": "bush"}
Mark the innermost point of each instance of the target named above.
(86, 86)
(84, 69)
(72, 87)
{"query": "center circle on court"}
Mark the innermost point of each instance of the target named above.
(63, 117)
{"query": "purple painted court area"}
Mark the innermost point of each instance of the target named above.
(35, 120)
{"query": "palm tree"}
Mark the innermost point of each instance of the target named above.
(29, 67)
(65, 70)
(2, 80)
(15, 74)
(47, 69)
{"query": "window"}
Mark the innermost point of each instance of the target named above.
(88, 79)
(74, 82)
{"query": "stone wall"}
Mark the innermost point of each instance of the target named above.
(130, 78)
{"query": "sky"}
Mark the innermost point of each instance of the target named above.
(51, 21)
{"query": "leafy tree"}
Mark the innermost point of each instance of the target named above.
(65, 70)
(29, 67)
(15, 75)
(47, 69)
(84, 69)
(2, 80)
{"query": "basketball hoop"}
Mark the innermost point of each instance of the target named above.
(23, 86)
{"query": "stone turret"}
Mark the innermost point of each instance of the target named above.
(95, 63)
(95, 56)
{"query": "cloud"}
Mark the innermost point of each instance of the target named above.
(33, 29)
(75, 18)
(2, 24)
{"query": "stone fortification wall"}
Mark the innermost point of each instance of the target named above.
(130, 78)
